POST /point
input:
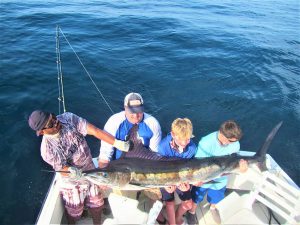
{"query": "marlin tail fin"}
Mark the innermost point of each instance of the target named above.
(261, 153)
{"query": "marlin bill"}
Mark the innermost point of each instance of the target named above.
(147, 173)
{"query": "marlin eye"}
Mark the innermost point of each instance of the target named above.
(105, 175)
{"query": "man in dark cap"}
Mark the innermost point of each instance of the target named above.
(147, 128)
(64, 147)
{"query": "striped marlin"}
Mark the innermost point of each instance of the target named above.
(146, 169)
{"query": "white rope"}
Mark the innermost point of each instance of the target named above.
(87, 72)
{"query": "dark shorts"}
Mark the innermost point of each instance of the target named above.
(213, 196)
(183, 195)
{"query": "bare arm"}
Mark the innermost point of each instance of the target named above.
(102, 163)
(243, 166)
(107, 137)
(100, 134)
(65, 169)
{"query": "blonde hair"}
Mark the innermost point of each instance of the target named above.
(182, 128)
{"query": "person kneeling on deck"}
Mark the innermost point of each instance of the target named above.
(219, 143)
(132, 123)
(65, 149)
(178, 143)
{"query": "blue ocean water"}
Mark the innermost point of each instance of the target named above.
(205, 60)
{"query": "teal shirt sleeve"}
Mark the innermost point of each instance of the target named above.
(200, 151)
(205, 148)
(208, 147)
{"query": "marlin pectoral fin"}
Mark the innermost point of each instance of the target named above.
(212, 182)
(227, 174)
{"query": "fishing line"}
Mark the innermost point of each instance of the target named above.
(89, 75)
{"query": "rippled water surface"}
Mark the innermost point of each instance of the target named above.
(205, 60)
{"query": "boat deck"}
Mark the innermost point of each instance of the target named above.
(251, 198)
(126, 212)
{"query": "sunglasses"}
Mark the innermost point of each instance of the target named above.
(228, 139)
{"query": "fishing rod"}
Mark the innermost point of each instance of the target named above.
(61, 96)
(60, 84)
(59, 69)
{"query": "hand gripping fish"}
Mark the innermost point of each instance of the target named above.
(147, 169)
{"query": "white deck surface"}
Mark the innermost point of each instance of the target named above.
(129, 214)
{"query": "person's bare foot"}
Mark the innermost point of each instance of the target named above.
(179, 221)
(191, 218)
(215, 215)
(161, 222)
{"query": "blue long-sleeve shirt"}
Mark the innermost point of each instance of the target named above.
(165, 149)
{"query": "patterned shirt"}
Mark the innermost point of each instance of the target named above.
(68, 147)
